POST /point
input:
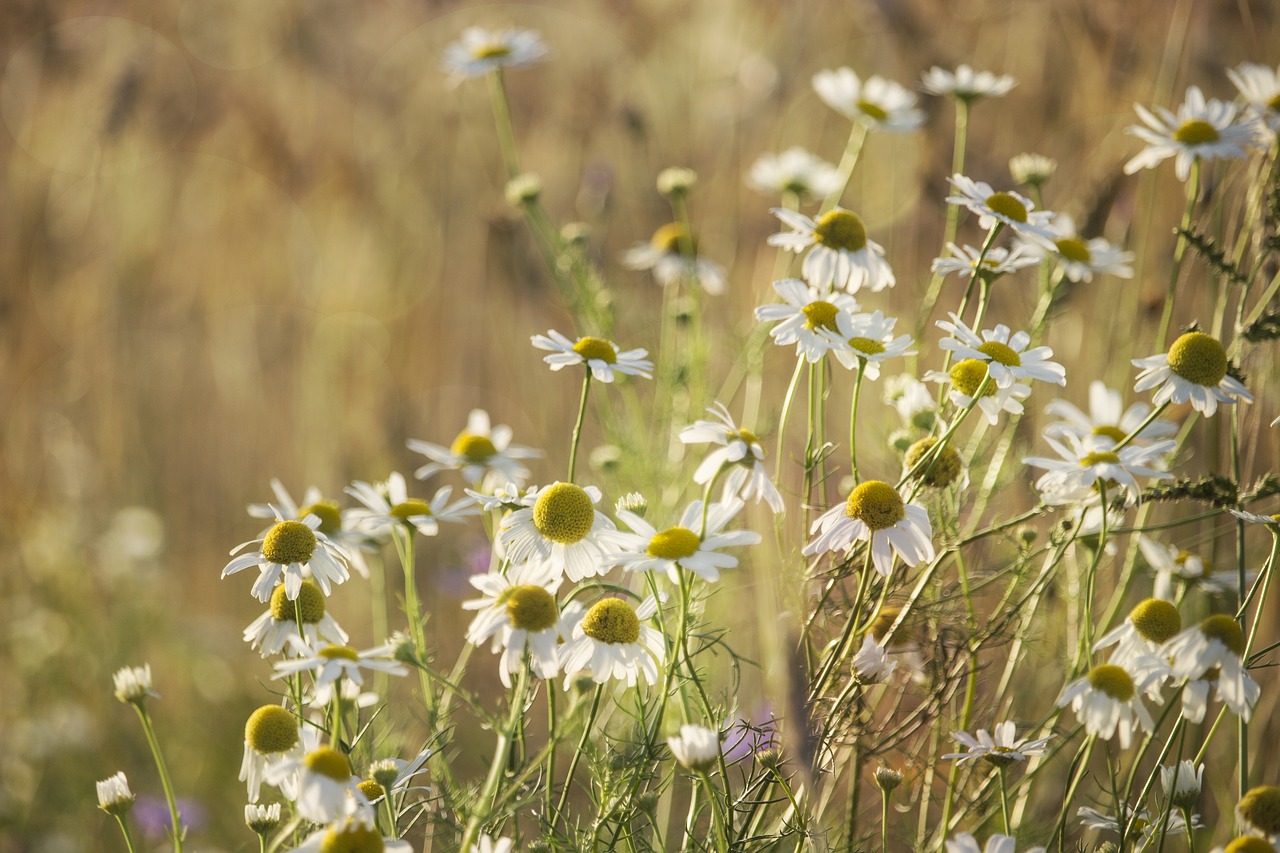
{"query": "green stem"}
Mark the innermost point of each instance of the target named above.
(1180, 248)
(1004, 802)
(493, 782)
(502, 116)
(852, 150)
(402, 536)
(577, 754)
(884, 820)
(722, 833)
(953, 212)
(128, 836)
(853, 420)
(154, 743)
(577, 426)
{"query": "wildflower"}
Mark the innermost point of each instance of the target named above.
(946, 468)
(602, 357)
(388, 507)
(356, 833)
(1032, 169)
(966, 843)
(1008, 209)
(480, 452)
(1001, 747)
(262, 819)
(1080, 258)
(1182, 783)
(1087, 464)
(1210, 653)
(875, 512)
(133, 684)
(288, 551)
(328, 664)
(333, 523)
(840, 255)
(519, 611)
(502, 498)
(1169, 561)
(559, 524)
(396, 774)
(676, 181)
(1006, 354)
(1106, 701)
(114, 796)
(1149, 625)
(1107, 418)
(794, 171)
(965, 84)
(739, 448)
(665, 254)
(995, 263)
(912, 400)
(1193, 370)
(696, 747)
(649, 549)
(485, 844)
(871, 665)
(271, 735)
(1247, 844)
(1260, 87)
(326, 789)
(967, 377)
(632, 502)
(865, 340)
(306, 615)
(877, 103)
(802, 316)
(1140, 827)
(479, 51)
(1259, 809)
(612, 641)
(1269, 521)
(887, 779)
(1201, 130)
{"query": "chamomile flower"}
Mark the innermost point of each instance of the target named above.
(665, 255)
(1270, 521)
(969, 386)
(794, 171)
(1201, 130)
(481, 452)
(966, 843)
(1086, 463)
(1107, 702)
(1248, 844)
(1182, 783)
(1193, 370)
(1259, 810)
(262, 819)
(479, 51)
(650, 549)
(602, 357)
(333, 523)
(518, 611)
(388, 507)
(328, 664)
(326, 789)
(965, 84)
(1170, 561)
(877, 103)
(560, 525)
(802, 315)
(872, 664)
(612, 641)
(840, 255)
(1208, 653)
(288, 551)
(272, 735)
(739, 448)
(502, 498)
(1006, 353)
(1033, 170)
(357, 833)
(964, 260)
(865, 340)
(485, 844)
(1001, 746)
(1260, 87)
(305, 615)
(876, 513)
(944, 469)
(696, 747)
(1081, 258)
(912, 400)
(396, 775)
(132, 684)
(1140, 827)
(1149, 625)
(114, 796)
(1107, 418)
(1010, 209)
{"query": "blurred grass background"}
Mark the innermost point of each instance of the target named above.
(254, 238)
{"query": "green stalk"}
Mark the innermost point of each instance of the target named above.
(953, 212)
(128, 836)
(577, 426)
(1180, 248)
(577, 754)
(493, 782)
(502, 117)
(172, 802)
(853, 420)
(852, 150)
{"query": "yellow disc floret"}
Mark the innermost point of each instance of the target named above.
(328, 513)
(1112, 432)
(564, 513)
(612, 621)
(494, 50)
(289, 542)
(412, 508)
(966, 377)
(1113, 681)
(876, 504)
(945, 468)
(671, 238)
(1156, 620)
(1100, 457)
(1007, 206)
(1249, 844)
(674, 543)
(1260, 808)
(309, 605)
(1196, 132)
(329, 762)
(871, 110)
(1001, 353)
(473, 448)
(596, 348)
(866, 346)
(338, 653)
(352, 836)
(1198, 358)
(1225, 630)
(1073, 249)
(271, 729)
(530, 607)
(841, 229)
(371, 789)
(820, 315)
(746, 435)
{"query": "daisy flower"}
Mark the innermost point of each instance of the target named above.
(912, 400)
(1247, 844)
(877, 103)
(997, 261)
(271, 735)
(1170, 561)
(966, 843)
(1182, 783)
(358, 832)
(1208, 653)
(1006, 354)
(1086, 463)
(262, 819)
(602, 357)
(665, 255)
(326, 790)
(328, 664)
(1001, 747)
(132, 684)
(966, 378)
(612, 641)
(865, 340)
(1149, 625)
(794, 171)
(1107, 418)
(288, 550)
(801, 316)
(388, 507)
(305, 615)
(696, 747)
(519, 612)
(479, 51)
(1260, 87)
(1009, 209)
(965, 84)
(650, 549)
(560, 525)
(1201, 130)
(1193, 370)
(481, 452)
(503, 498)
(114, 796)
(1107, 701)
(1032, 169)
(871, 665)
(946, 467)
(839, 253)
(1269, 521)
(485, 844)
(876, 513)
(1139, 825)
(333, 523)
(739, 448)
(1081, 258)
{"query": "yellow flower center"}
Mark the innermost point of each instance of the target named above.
(1007, 206)
(1225, 630)
(353, 836)
(1099, 457)
(1260, 807)
(1112, 680)
(335, 652)
(1073, 249)
(1198, 358)
(289, 542)
(1001, 353)
(1249, 844)
(271, 729)
(748, 436)
(820, 315)
(490, 51)
(674, 543)
(966, 377)
(947, 465)
(841, 229)
(1274, 103)
(877, 505)
(1114, 433)
(371, 789)
(596, 348)
(329, 762)
(1156, 620)
(867, 346)
(670, 238)
(328, 513)
(309, 604)
(612, 621)
(872, 110)
(563, 513)
(1196, 132)
(473, 448)
(530, 607)
(411, 508)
